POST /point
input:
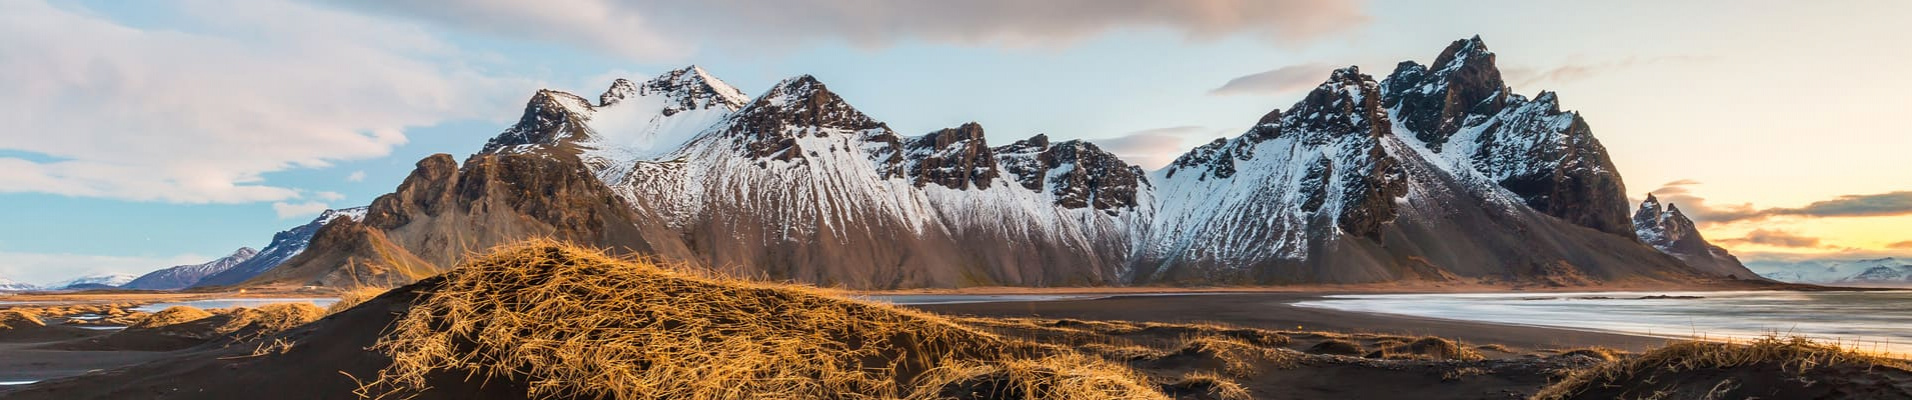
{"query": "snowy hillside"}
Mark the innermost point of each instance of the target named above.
(182, 276)
(102, 281)
(284, 246)
(1436, 174)
(1887, 271)
(9, 285)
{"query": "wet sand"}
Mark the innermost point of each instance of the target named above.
(1276, 311)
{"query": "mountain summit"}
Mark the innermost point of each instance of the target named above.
(1436, 175)
(180, 277)
(1670, 231)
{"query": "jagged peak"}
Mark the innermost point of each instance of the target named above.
(805, 101)
(968, 134)
(1463, 52)
(557, 98)
(690, 87)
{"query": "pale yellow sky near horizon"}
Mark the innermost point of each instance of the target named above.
(1767, 103)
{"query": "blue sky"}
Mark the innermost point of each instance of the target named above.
(149, 134)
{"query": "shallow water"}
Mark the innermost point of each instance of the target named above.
(322, 302)
(915, 299)
(1869, 321)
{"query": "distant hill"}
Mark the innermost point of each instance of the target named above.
(182, 276)
(1887, 271)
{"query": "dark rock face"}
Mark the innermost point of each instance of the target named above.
(1547, 157)
(550, 117)
(1435, 102)
(797, 107)
(1338, 111)
(1077, 173)
(285, 245)
(443, 212)
(957, 158)
(1673, 233)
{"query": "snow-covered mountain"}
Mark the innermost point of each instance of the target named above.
(284, 245)
(102, 281)
(1670, 231)
(182, 276)
(9, 285)
(1887, 271)
(1437, 174)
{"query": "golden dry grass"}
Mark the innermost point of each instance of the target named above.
(252, 323)
(352, 298)
(171, 316)
(1239, 358)
(1209, 385)
(1429, 348)
(1598, 353)
(1796, 355)
(571, 322)
(1067, 376)
(15, 319)
(1337, 347)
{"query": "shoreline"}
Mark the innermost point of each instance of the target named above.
(1276, 310)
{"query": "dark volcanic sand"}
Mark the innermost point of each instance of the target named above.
(1274, 311)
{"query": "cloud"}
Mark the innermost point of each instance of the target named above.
(1776, 238)
(105, 109)
(355, 176)
(1868, 205)
(289, 210)
(1278, 80)
(1574, 71)
(45, 268)
(1680, 193)
(329, 196)
(1906, 245)
(1151, 148)
(650, 29)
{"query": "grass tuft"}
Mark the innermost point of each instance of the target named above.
(171, 316)
(1208, 385)
(1428, 348)
(1795, 356)
(352, 298)
(15, 319)
(252, 323)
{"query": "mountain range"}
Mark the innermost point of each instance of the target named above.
(99, 281)
(1885, 271)
(1437, 174)
(182, 276)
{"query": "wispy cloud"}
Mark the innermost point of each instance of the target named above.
(1151, 148)
(1907, 245)
(355, 176)
(1776, 238)
(1853, 205)
(106, 109)
(1275, 81)
(1577, 70)
(652, 29)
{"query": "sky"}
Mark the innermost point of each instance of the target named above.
(142, 135)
